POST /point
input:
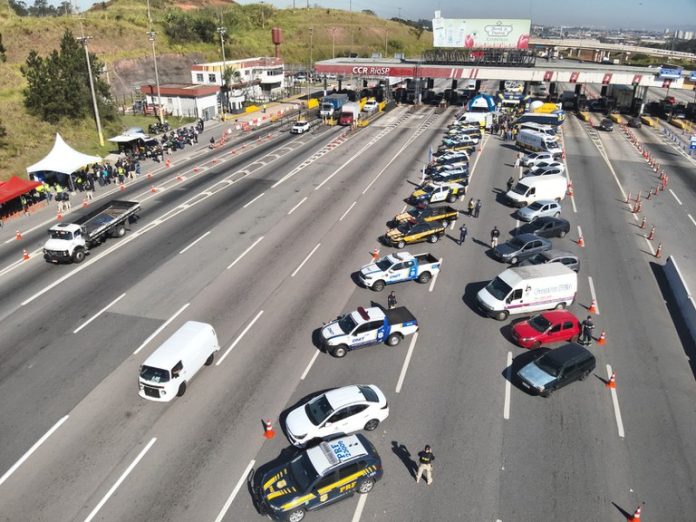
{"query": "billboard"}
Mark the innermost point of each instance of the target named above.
(670, 72)
(481, 33)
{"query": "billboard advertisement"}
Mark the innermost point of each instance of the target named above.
(481, 33)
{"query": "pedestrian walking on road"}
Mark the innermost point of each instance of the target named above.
(587, 327)
(391, 300)
(425, 465)
(462, 234)
(477, 209)
(472, 206)
(518, 160)
(495, 234)
(510, 183)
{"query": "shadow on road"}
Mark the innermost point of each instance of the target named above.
(404, 455)
(469, 296)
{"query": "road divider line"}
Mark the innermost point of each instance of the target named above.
(156, 332)
(692, 219)
(295, 207)
(120, 480)
(675, 196)
(508, 381)
(452, 225)
(196, 241)
(359, 508)
(592, 293)
(402, 375)
(309, 366)
(432, 283)
(615, 401)
(253, 200)
(239, 338)
(99, 313)
(31, 450)
(305, 260)
(236, 489)
(349, 209)
(244, 253)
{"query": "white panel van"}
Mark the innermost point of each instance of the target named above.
(165, 374)
(533, 188)
(535, 141)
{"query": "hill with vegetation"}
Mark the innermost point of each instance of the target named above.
(186, 31)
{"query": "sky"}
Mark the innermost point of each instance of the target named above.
(630, 14)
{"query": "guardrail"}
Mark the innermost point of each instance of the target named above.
(680, 139)
(684, 300)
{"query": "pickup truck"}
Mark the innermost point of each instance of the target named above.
(407, 233)
(435, 192)
(399, 267)
(365, 327)
(69, 242)
(443, 213)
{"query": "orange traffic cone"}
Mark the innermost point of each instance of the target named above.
(658, 253)
(602, 338)
(59, 217)
(84, 202)
(628, 198)
(122, 187)
(375, 254)
(642, 222)
(153, 189)
(168, 163)
(636, 515)
(195, 169)
(268, 429)
(180, 178)
(25, 255)
(149, 175)
(570, 189)
(593, 307)
(651, 236)
(611, 383)
(581, 242)
(18, 235)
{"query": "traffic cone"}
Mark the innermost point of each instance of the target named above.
(149, 175)
(611, 384)
(563, 156)
(638, 197)
(628, 198)
(637, 207)
(581, 242)
(651, 235)
(18, 236)
(180, 178)
(122, 187)
(268, 429)
(570, 189)
(636, 515)
(84, 202)
(168, 163)
(375, 254)
(649, 194)
(195, 169)
(602, 338)
(642, 222)
(658, 252)
(153, 189)
(593, 307)
(25, 255)
(59, 217)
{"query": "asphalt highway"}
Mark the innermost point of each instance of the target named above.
(263, 245)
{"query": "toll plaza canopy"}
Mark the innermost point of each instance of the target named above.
(15, 187)
(63, 158)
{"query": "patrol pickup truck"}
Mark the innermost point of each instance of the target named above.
(443, 213)
(365, 327)
(436, 192)
(399, 267)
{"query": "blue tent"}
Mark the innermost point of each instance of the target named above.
(481, 103)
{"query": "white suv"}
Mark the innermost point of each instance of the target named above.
(300, 127)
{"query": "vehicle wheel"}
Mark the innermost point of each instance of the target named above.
(424, 277)
(366, 486)
(562, 233)
(445, 223)
(501, 316)
(120, 231)
(545, 394)
(400, 244)
(514, 261)
(378, 286)
(584, 375)
(394, 339)
(182, 389)
(560, 306)
(209, 360)
(78, 256)
(451, 198)
(371, 425)
(536, 345)
(557, 215)
(574, 339)
(432, 239)
(339, 351)
(296, 515)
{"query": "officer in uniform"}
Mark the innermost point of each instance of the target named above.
(391, 300)
(495, 234)
(587, 327)
(425, 465)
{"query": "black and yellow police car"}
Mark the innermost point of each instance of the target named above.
(317, 477)
(407, 233)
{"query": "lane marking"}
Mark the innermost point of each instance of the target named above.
(580, 232)
(156, 332)
(239, 338)
(615, 401)
(295, 207)
(120, 480)
(196, 241)
(305, 260)
(236, 489)
(99, 313)
(309, 366)
(508, 375)
(349, 209)
(250, 202)
(402, 376)
(592, 292)
(692, 219)
(359, 508)
(432, 283)
(31, 450)
(244, 253)
(452, 225)
(675, 196)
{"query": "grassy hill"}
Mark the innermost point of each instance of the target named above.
(118, 32)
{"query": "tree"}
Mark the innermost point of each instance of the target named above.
(65, 8)
(3, 51)
(19, 7)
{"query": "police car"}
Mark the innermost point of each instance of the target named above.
(435, 192)
(317, 477)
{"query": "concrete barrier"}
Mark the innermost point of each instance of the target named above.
(684, 300)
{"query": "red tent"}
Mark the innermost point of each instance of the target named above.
(15, 187)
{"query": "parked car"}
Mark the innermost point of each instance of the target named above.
(520, 248)
(543, 164)
(635, 123)
(538, 209)
(554, 256)
(550, 170)
(606, 125)
(300, 127)
(554, 369)
(530, 160)
(546, 328)
(370, 106)
(546, 226)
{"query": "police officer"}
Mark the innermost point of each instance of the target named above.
(472, 206)
(587, 327)
(462, 233)
(510, 183)
(425, 465)
(391, 300)
(495, 234)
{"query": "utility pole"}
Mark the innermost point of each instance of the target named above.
(386, 50)
(333, 43)
(151, 37)
(83, 40)
(223, 82)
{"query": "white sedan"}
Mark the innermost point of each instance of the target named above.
(339, 411)
(300, 127)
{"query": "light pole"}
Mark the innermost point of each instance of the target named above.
(151, 37)
(223, 81)
(386, 51)
(83, 40)
(333, 43)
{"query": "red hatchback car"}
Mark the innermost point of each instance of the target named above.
(546, 328)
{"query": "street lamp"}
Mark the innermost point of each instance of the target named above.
(222, 32)
(151, 37)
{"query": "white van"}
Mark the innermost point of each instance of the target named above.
(165, 374)
(535, 141)
(549, 130)
(527, 289)
(532, 188)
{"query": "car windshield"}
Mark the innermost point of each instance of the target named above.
(404, 228)
(539, 323)
(369, 393)
(148, 373)
(548, 365)
(535, 206)
(60, 234)
(537, 259)
(346, 323)
(516, 243)
(428, 188)
(383, 264)
(520, 189)
(318, 410)
(498, 288)
(302, 472)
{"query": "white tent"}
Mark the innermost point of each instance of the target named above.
(63, 158)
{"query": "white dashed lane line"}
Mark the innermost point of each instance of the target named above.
(99, 313)
(508, 380)
(349, 209)
(615, 402)
(196, 241)
(305, 260)
(404, 368)
(675, 196)
(156, 332)
(236, 489)
(592, 292)
(239, 338)
(244, 253)
(254, 200)
(296, 206)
